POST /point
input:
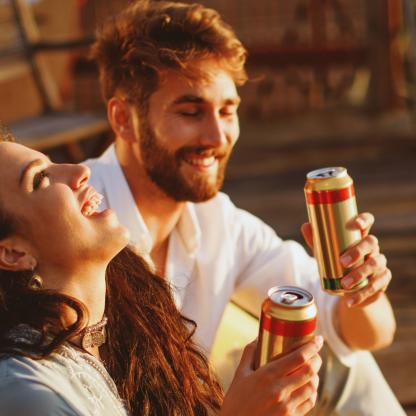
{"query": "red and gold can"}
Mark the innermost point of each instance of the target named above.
(331, 204)
(288, 320)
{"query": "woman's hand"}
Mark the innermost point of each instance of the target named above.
(364, 260)
(286, 386)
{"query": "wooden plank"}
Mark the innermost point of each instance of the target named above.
(53, 130)
(13, 69)
(309, 55)
(40, 68)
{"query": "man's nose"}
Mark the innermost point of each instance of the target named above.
(213, 133)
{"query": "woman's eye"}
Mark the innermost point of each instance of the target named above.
(39, 178)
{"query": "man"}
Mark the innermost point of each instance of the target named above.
(169, 73)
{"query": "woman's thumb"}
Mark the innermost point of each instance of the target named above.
(246, 365)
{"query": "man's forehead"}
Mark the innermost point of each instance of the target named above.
(208, 80)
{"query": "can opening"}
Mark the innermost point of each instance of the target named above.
(289, 298)
(328, 174)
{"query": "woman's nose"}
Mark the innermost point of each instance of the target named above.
(80, 176)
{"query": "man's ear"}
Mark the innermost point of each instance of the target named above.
(15, 257)
(120, 116)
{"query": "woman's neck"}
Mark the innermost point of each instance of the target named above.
(88, 286)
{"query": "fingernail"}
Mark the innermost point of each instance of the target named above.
(350, 302)
(347, 281)
(346, 260)
(319, 341)
(361, 222)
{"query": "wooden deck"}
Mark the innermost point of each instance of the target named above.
(266, 176)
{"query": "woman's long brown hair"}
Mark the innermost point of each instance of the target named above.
(152, 358)
(149, 352)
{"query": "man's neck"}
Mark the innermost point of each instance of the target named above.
(160, 213)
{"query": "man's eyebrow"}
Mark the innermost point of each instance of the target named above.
(30, 166)
(233, 101)
(189, 98)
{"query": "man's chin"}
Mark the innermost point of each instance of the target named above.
(203, 197)
(195, 193)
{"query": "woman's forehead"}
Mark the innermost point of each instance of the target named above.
(13, 159)
(15, 154)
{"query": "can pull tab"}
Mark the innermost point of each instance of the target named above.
(289, 298)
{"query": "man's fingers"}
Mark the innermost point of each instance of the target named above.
(377, 283)
(355, 254)
(372, 265)
(306, 230)
(294, 360)
(363, 222)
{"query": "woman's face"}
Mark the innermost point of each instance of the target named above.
(55, 209)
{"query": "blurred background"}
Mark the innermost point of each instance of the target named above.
(333, 82)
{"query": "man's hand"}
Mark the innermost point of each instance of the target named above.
(286, 386)
(364, 260)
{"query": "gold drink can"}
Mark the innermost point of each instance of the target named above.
(331, 204)
(288, 320)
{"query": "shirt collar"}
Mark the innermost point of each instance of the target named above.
(122, 201)
(188, 227)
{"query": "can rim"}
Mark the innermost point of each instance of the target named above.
(295, 313)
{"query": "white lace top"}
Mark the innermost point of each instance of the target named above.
(68, 382)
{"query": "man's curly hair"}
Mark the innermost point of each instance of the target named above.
(148, 37)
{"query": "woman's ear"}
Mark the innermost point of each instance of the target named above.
(120, 116)
(15, 257)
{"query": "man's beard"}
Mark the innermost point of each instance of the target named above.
(163, 168)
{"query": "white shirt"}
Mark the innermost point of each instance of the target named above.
(217, 251)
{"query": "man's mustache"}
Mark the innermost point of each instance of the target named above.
(204, 151)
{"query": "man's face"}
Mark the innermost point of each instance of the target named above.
(188, 134)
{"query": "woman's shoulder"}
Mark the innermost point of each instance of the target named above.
(15, 368)
(25, 390)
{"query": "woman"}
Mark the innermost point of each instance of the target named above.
(52, 287)
(77, 307)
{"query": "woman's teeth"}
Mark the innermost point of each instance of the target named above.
(91, 206)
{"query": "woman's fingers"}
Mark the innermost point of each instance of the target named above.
(245, 366)
(295, 359)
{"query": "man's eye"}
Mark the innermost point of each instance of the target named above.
(228, 112)
(39, 178)
(190, 113)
